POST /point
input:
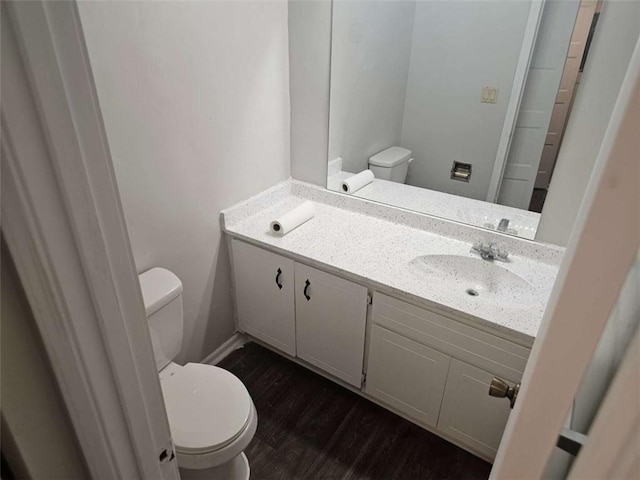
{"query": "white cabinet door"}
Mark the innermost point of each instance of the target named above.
(468, 413)
(331, 315)
(406, 375)
(264, 285)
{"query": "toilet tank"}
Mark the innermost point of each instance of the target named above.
(162, 295)
(391, 164)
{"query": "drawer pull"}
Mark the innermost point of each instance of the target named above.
(278, 279)
(307, 284)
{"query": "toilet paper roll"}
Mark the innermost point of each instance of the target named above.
(293, 218)
(355, 183)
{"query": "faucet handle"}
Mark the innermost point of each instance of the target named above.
(481, 245)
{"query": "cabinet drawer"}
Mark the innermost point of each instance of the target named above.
(406, 375)
(487, 351)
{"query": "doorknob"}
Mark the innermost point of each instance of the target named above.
(501, 389)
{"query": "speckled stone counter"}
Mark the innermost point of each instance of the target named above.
(375, 244)
(430, 202)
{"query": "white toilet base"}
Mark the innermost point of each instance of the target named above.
(235, 469)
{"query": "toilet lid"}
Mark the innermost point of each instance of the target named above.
(208, 407)
(390, 157)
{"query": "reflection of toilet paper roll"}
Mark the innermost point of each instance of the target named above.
(293, 218)
(355, 183)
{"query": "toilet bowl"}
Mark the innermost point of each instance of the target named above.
(391, 164)
(211, 415)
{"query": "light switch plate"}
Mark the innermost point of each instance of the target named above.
(489, 95)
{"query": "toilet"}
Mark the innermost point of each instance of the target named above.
(391, 164)
(211, 415)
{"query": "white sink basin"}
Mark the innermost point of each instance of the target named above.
(474, 278)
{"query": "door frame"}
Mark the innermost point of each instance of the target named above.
(65, 230)
(515, 99)
(603, 245)
(612, 449)
(585, 7)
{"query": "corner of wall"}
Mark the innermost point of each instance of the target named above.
(309, 77)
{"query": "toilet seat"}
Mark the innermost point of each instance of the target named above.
(208, 407)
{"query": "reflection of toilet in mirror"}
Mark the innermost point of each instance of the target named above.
(211, 415)
(391, 164)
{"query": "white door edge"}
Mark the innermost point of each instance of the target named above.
(65, 230)
(602, 246)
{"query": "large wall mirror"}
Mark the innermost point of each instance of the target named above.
(454, 108)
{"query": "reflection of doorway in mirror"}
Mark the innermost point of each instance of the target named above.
(578, 50)
(540, 126)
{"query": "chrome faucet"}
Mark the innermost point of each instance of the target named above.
(489, 250)
(503, 225)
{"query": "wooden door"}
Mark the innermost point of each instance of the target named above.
(406, 375)
(331, 315)
(534, 115)
(264, 295)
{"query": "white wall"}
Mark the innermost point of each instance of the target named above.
(369, 65)
(309, 79)
(614, 40)
(195, 99)
(459, 47)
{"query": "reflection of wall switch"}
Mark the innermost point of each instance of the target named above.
(489, 95)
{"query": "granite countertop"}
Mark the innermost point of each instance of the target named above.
(360, 242)
(466, 210)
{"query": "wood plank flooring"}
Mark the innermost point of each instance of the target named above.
(312, 428)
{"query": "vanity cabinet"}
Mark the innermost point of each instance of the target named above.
(302, 311)
(437, 371)
(331, 316)
(264, 288)
(431, 368)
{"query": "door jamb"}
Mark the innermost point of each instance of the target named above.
(65, 229)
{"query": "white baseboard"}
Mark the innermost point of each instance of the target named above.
(236, 341)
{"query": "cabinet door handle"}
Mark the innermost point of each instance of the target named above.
(278, 279)
(307, 284)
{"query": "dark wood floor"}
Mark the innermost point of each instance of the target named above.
(309, 427)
